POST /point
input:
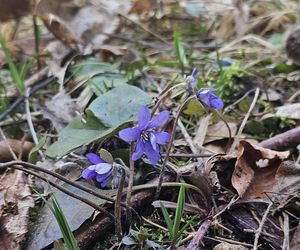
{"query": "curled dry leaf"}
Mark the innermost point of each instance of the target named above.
(228, 246)
(15, 202)
(17, 146)
(255, 170)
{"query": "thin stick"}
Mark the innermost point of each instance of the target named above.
(118, 210)
(197, 240)
(229, 130)
(56, 175)
(162, 171)
(7, 144)
(261, 224)
(130, 183)
(286, 231)
(66, 191)
(30, 123)
(237, 137)
(164, 95)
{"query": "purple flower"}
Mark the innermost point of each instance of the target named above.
(191, 82)
(147, 136)
(209, 99)
(100, 170)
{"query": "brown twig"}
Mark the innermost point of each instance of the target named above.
(58, 176)
(66, 191)
(288, 139)
(237, 137)
(197, 240)
(261, 224)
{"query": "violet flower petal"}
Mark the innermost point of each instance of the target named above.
(152, 155)
(103, 168)
(130, 134)
(144, 117)
(89, 172)
(162, 137)
(139, 150)
(159, 120)
(104, 181)
(216, 102)
(153, 142)
(94, 158)
(209, 99)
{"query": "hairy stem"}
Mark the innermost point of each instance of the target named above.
(162, 171)
(118, 210)
(130, 183)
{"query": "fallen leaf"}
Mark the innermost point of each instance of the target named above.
(17, 146)
(295, 242)
(14, 9)
(46, 229)
(81, 26)
(15, 203)
(287, 181)
(219, 131)
(227, 246)
(60, 110)
(255, 170)
(142, 6)
(291, 111)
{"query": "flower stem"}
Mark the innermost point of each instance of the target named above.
(117, 210)
(162, 171)
(161, 98)
(130, 183)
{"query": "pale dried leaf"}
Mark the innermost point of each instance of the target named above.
(15, 203)
(60, 110)
(291, 111)
(219, 131)
(17, 146)
(255, 170)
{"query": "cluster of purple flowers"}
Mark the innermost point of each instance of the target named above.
(147, 135)
(102, 171)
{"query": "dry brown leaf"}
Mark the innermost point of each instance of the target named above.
(17, 146)
(295, 242)
(141, 6)
(287, 181)
(60, 110)
(227, 246)
(219, 131)
(255, 170)
(15, 202)
(79, 27)
(14, 9)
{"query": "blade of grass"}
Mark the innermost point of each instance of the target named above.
(12, 66)
(167, 218)
(179, 210)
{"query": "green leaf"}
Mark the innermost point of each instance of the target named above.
(119, 105)
(45, 229)
(194, 107)
(33, 157)
(113, 109)
(77, 134)
(179, 50)
(106, 156)
(179, 210)
(167, 218)
(128, 241)
(12, 66)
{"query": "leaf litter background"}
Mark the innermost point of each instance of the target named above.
(111, 57)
